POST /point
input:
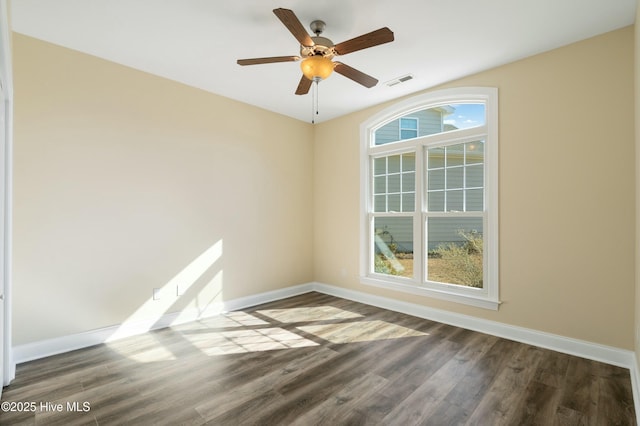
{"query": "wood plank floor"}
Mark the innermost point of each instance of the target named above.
(318, 360)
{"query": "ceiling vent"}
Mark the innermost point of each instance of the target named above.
(399, 80)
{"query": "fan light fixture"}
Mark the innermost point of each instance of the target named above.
(317, 67)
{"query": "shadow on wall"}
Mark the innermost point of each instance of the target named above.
(197, 296)
(192, 302)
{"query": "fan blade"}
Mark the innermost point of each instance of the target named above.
(355, 75)
(256, 61)
(303, 86)
(291, 21)
(374, 38)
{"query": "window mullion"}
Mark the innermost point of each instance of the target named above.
(418, 232)
(464, 179)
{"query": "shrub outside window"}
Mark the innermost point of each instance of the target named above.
(429, 197)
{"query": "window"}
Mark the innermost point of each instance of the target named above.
(429, 197)
(408, 128)
(394, 204)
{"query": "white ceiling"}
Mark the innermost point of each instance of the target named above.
(197, 42)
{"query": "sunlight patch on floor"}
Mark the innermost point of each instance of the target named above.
(227, 320)
(243, 341)
(315, 313)
(360, 331)
(144, 348)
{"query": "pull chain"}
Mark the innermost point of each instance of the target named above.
(317, 95)
(314, 100)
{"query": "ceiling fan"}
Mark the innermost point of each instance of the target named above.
(317, 52)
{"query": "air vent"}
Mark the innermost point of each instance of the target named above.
(399, 80)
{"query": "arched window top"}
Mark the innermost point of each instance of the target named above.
(431, 120)
(430, 114)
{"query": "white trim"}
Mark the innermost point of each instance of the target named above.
(58, 345)
(581, 348)
(635, 386)
(9, 366)
(492, 197)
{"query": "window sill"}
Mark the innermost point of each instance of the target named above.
(480, 302)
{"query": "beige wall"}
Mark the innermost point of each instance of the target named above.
(566, 193)
(123, 179)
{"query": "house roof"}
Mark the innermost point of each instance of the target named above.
(197, 42)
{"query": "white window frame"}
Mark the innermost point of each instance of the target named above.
(488, 296)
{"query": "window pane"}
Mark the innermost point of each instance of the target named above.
(408, 128)
(380, 203)
(379, 184)
(455, 251)
(408, 134)
(436, 158)
(475, 202)
(393, 183)
(388, 133)
(436, 179)
(475, 152)
(394, 203)
(409, 162)
(380, 166)
(408, 202)
(455, 177)
(393, 164)
(455, 155)
(393, 246)
(475, 176)
(455, 201)
(436, 201)
(408, 182)
(464, 116)
(409, 123)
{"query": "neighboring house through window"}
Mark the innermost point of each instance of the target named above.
(429, 196)
(408, 128)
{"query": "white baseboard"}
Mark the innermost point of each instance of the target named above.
(635, 386)
(581, 348)
(58, 345)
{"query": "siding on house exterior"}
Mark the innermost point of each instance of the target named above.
(430, 121)
(441, 235)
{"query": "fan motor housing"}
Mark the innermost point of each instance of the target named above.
(322, 47)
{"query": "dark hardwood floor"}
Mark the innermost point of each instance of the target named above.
(316, 359)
